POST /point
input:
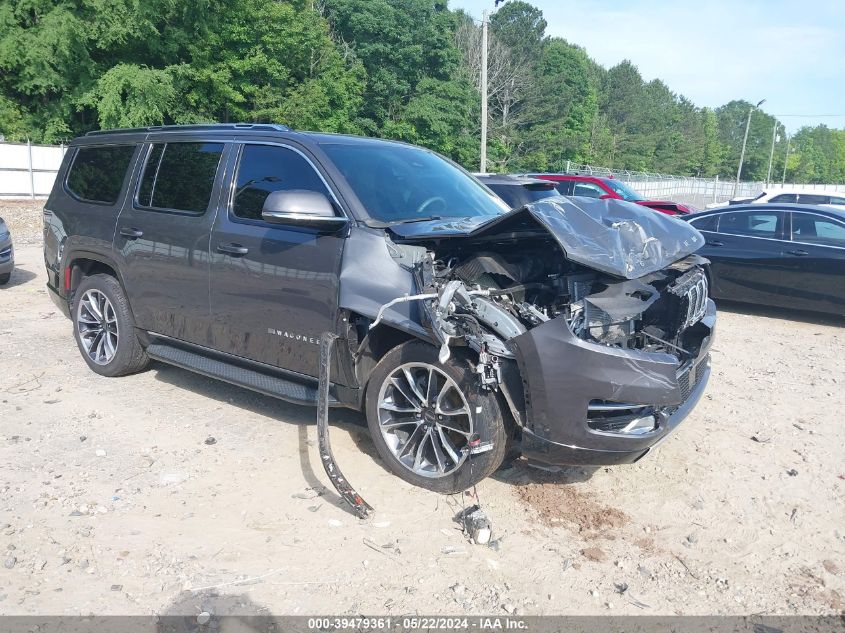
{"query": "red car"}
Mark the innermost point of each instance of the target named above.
(608, 187)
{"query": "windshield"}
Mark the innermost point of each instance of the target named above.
(623, 190)
(398, 183)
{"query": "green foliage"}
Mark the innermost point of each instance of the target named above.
(131, 96)
(405, 69)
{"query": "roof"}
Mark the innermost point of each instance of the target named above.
(811, 190)
(559, 177)
(202, 127)
(815, 208)
(509, 179)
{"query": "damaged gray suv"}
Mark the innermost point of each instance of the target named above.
(572, 330)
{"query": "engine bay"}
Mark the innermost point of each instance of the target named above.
(484, 294)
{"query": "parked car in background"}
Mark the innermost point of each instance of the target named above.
(784, 255)
(572, 333)
(7, 254)
(610, 187)
(517, 191)
(788, 196)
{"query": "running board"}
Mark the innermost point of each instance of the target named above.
(274, 386)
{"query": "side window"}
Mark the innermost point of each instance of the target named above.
(588, 190)
(707, 223)
(813, 198)
(564, 187)
(786, 198)
(815, 229)
(264, 169)
(97, 173)
(750, 223)
(837, 200)
(180, 176)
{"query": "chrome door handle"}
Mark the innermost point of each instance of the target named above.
(232, 249)
(131, 233)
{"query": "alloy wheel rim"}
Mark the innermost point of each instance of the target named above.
(425, 420)
(96, 322)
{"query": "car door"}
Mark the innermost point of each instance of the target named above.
(163, 233)
(746, 255)
(274, 287)
(815, 262)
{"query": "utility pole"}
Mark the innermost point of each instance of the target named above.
(785, 160)
(744, 143)
(772, 153)
(484, 92)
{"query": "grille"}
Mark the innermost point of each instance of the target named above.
(692, 290)
(689, 377)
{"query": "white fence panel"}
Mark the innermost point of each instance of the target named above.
(28, 171)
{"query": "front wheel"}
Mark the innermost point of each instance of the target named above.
(430, 422)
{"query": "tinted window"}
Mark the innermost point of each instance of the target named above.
(518, 195)
(624, 191)
(754, 224)
(814, 229)
(97, 173)
(264, 169)
(180, 176)
(399, 182)
(813, 198)
(588, 190)
(707, 223)
(785, 197)
(837, 200)
(564, 187)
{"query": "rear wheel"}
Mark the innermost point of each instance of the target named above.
(4, 279)
(424, 414)
(104, 328)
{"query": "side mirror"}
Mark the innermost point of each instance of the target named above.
(301, 208)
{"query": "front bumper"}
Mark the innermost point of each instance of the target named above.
(563, 375)
(7, 255)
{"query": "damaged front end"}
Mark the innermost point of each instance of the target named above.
(591, 318)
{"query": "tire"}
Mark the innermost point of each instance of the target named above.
(435, 432)
(4, 279)
(103, 293)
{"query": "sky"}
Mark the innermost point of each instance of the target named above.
(791, 53)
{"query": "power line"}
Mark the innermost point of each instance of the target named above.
(812, 116)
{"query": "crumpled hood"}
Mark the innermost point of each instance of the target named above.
(612, 236)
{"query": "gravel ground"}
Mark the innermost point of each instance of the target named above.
(168, 492)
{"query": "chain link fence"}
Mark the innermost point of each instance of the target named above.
(697, 192)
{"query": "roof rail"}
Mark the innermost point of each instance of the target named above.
(201, 127)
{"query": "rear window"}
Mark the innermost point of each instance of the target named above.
(97, 173)
(813, 198)
(518, 195)
(180, 176)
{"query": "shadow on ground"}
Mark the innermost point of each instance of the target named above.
(20, 276)
(301, 416)
(787, 314)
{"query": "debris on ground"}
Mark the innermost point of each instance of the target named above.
(475, 524)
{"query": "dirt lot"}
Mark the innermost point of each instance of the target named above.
(165, 491)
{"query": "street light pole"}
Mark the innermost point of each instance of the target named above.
(744, 143)
(772, 153)
(785, 160)
(483, 166)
